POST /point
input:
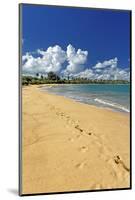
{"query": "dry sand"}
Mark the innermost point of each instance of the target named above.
(70, 146)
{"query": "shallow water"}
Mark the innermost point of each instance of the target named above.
(112, 96)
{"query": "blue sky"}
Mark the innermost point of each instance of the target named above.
(104, 34)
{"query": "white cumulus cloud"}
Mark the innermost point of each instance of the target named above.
(72, 63)
(75, 59)
(108, 63)
(49, 60)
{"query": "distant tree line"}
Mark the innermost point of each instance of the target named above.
(53, 78)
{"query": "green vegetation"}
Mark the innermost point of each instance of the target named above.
(52, 78)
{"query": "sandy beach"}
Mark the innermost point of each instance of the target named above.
(71, 146)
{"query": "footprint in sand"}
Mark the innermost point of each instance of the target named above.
(118, 161)
(62, 114)
(83, 131)
(78, 136)
(70, 121)
(67, 117)
(84, 149)
(71, 139)
(89, 133)
(81, 165)
(78, 128)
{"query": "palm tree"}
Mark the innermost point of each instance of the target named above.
(37, 75)
(42, 77)
(53, 76)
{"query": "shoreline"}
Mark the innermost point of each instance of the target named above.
(119, 110)
(72, 146)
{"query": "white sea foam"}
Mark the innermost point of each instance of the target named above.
(112, 104)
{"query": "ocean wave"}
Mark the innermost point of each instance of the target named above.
(112, 104)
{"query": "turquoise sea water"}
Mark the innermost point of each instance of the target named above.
(116, 97)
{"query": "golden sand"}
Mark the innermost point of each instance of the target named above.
(70, 146)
